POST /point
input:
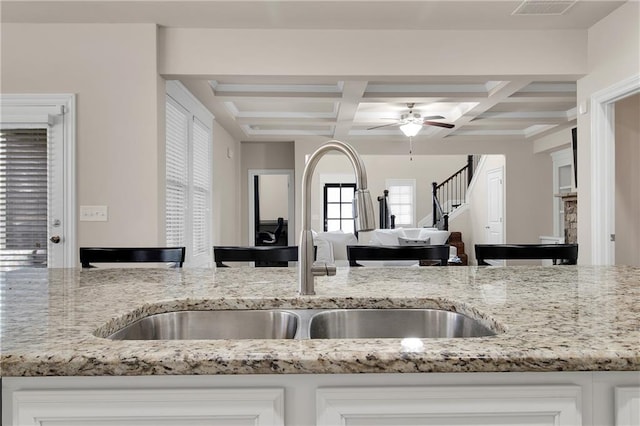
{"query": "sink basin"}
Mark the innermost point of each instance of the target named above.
(394, 323)
(231, 324)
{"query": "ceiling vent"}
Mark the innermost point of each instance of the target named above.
(544, 7)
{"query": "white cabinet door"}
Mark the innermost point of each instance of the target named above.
(627, 400)
(185, 407)
(450, 405)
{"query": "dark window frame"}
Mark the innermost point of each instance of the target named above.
(325, 203)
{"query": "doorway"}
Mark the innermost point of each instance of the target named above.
(603, 168)
(271, 207)
(495, 204)
(37, 182)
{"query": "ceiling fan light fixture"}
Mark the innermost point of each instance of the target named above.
(410, 129)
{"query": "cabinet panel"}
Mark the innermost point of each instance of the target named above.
(450, 405)
(627, 400)
(189, 407)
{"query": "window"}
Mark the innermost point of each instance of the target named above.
(188, 175)
(402, 201)
(338, 207)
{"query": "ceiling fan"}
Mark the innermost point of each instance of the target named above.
(411, 122)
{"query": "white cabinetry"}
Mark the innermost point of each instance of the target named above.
(627, 401)
(551, 398)
(451, 405)
(137, 407)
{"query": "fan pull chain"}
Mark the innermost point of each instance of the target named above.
(410, 148)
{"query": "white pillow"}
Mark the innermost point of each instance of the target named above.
(411, 242)
(389, 237)
(437, 237)
(412, 233)
(339, 241)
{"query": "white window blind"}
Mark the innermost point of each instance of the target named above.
(23, 198)
(201, 188)
(188, 175)
(177, 178)
(402, 200)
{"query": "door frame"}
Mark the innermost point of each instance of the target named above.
(603, 168)
(291, 225)
(17, 108)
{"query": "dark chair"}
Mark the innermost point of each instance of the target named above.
(439, 253)
(269, 238)
(567, 253)
(89, 255)
(262, 255)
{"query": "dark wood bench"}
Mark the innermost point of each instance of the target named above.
(435, 253)
(89, 255)
(566, 253)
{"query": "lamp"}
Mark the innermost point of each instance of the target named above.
(410, 129)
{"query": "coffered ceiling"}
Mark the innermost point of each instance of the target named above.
(288, 108)
(257, 109)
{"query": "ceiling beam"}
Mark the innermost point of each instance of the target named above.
(352, 93)
(498, 94)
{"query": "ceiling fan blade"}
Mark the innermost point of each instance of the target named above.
(437, 124)
(433, 117)
(384, 125)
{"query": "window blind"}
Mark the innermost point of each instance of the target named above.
(23, 198)
(188, 175)
(402, 201)
(201, 188)
(177, 178)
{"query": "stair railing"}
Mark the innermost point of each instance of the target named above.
(386, 219)
(453, 192)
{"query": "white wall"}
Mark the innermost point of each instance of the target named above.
(614, 56)
(226, 188)
(274, 197)
(120, 102)
(627, 196)
(359, 52)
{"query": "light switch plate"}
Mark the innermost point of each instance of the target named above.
(93, 214)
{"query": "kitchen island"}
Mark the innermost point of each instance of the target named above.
(572, 328)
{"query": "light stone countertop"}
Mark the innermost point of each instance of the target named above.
(562, 318)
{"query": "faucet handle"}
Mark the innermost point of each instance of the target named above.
(320, 269)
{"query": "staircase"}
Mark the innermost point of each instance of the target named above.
(451, 193)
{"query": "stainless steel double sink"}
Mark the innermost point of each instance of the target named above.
(303, 324)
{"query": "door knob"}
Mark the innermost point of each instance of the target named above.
(55, 239)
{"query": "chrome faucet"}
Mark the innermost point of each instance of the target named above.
(362, 212)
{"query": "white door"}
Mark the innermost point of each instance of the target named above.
(37, 179)
(495, 203)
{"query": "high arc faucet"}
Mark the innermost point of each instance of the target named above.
(363, 213)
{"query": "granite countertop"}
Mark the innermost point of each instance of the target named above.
(563, 318)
